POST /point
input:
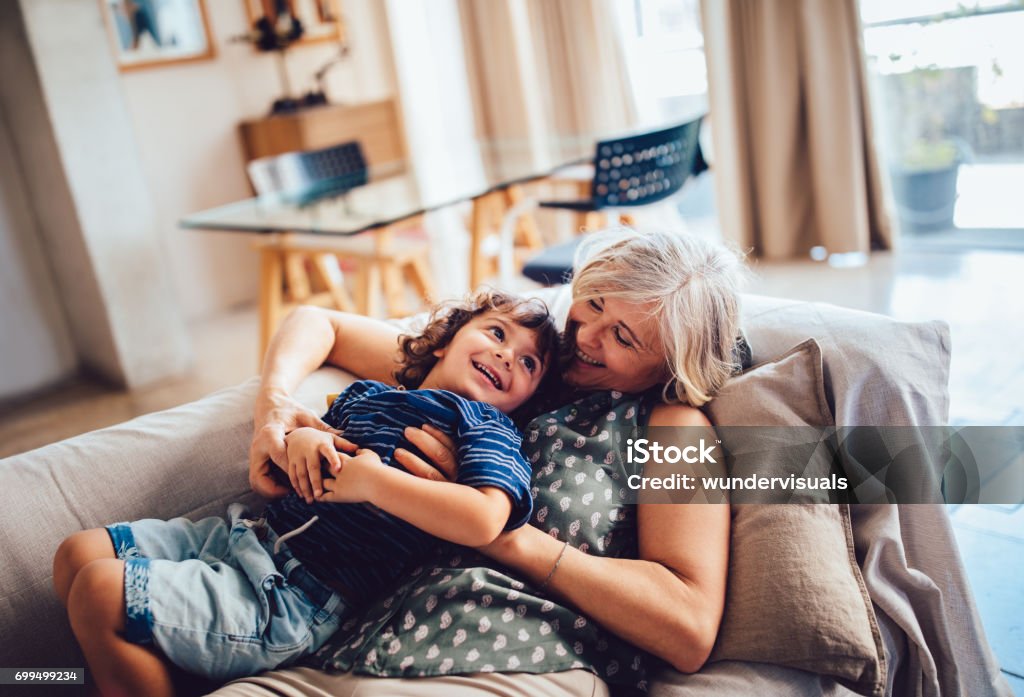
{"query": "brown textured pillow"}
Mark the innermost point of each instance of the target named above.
(796, 596)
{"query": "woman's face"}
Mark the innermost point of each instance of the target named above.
(614, 345)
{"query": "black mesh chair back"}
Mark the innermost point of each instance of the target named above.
(645, 168)
(335, 169)
(632, 171)
(311, 175)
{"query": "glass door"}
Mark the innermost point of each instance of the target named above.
(948, 93)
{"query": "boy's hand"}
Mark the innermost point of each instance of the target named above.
(354, 483)
(305, 446)
(276, 414)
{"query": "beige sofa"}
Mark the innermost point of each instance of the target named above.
(191, 461)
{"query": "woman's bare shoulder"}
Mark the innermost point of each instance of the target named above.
(677, 415)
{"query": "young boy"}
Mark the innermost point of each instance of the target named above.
(226, 600)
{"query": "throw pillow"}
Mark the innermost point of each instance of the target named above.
(796, 596)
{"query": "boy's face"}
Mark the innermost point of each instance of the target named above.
(491, 359)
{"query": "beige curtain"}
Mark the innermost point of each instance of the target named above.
(539, 68)
(794, 154)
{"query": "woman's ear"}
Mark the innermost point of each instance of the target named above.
(439, 353)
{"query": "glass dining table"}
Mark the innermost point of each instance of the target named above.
(488, 173)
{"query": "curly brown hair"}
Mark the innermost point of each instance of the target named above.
(446, 319)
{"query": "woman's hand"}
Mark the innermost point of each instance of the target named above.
(437, 446)
(274, 416)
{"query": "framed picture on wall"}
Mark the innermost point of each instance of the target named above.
(321, 19)
(149, 33)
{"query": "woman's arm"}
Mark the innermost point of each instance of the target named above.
(308, 338)
(670, 601)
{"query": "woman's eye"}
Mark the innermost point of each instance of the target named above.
(621, 339)
(530, 363)
(498, 332)
(594, 305)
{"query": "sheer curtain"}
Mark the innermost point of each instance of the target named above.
(437, 118)
(795, 160)
(540, 69)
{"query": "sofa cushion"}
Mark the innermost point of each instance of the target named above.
(878, 371)
(795, 594)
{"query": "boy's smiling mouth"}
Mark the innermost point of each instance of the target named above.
(490, 374)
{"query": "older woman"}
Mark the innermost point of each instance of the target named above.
(576, 600)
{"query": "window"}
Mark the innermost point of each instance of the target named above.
(948, 84)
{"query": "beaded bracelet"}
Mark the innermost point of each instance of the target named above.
(555, 567)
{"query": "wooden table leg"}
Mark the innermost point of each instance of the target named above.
(368, 286)
(527, 232)
(418, 274)
(326, 267)
(271, 289)
(394, 289)
(479, 227)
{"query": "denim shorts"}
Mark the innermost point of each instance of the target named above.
(216, 599)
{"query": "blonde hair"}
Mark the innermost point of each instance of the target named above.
(695, 288)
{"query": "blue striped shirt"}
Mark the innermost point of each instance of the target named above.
(366, 549)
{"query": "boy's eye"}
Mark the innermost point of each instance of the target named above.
(622, 339)
(498, 332)
(531, 363)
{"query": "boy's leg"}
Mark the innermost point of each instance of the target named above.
(175, 540)
(74, 553)
(96, 607)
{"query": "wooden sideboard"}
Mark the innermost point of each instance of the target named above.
(376, 125)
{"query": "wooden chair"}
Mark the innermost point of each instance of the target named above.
(488, 215)
(305, 269)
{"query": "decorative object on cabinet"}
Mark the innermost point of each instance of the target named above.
(151, 33)
(278, 25)
(375, 125)
(320, 20)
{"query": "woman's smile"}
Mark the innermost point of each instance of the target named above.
(614, 346)
(588, 360)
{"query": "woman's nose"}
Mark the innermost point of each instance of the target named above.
(586, 334)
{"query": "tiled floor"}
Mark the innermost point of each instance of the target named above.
(991, 540)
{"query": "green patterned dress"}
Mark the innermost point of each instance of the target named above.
(469, 615)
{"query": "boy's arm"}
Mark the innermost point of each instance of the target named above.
(309, 337)
(453, 512)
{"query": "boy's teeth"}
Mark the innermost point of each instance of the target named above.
(486, 371)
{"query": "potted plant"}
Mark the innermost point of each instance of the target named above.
(924, 180)
(929, 111)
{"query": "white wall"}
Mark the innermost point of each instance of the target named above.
(185, 120)
(80, 171)
(35, 342)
